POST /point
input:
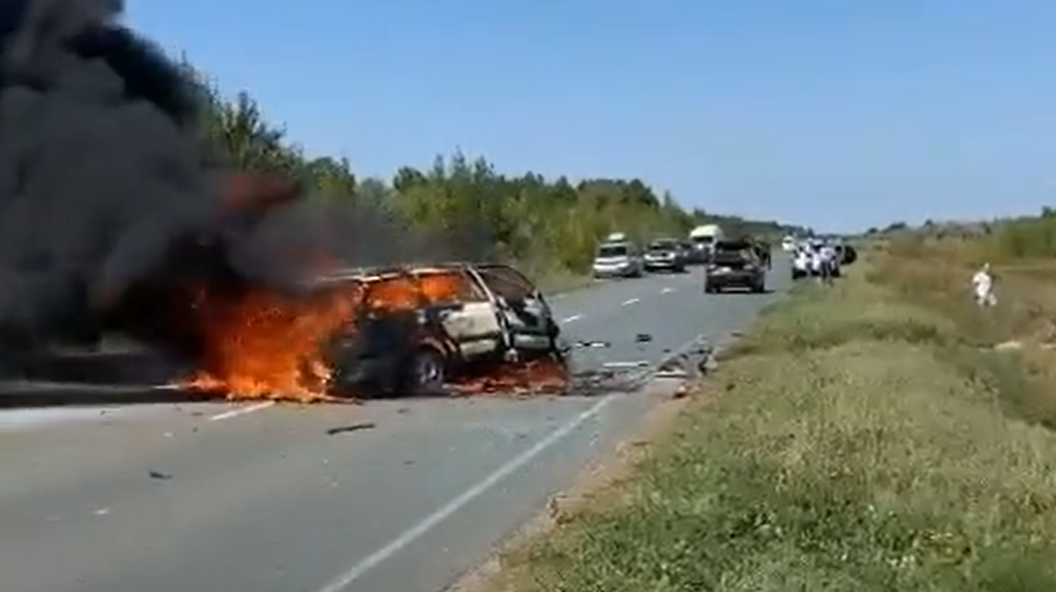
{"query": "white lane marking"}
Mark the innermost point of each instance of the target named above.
(631, 301)
(242, 411)
(572, 318)
(433, 520)
(667, 290)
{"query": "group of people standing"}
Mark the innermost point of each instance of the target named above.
(821, 259)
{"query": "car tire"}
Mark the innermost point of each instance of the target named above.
(430, 372)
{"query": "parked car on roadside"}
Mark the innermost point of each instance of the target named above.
(618, 260)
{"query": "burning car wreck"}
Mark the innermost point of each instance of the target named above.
(116, 218)
(337, 332)
(458, 328)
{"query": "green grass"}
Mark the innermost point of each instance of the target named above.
(853, 442)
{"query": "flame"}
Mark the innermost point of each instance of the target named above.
(264, 345)
(544, 375)
(267, 345)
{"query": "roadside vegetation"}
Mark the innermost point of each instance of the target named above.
(882, 435)
(548, 226)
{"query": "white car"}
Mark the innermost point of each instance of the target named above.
(618, 260)
(802, 262)
(788, 244)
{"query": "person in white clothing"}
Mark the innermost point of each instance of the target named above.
(983, 286)
(820, 265)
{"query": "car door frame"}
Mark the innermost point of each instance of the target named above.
(477, 272)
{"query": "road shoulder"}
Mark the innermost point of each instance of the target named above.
(853, 440)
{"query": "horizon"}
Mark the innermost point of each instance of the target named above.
(827, 115)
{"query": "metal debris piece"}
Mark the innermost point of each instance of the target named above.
(643, 338)
(159, 475)
(636, 364)
(355, 427)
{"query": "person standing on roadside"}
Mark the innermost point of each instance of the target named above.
(828, 255)
(983, 287)
(820, 264)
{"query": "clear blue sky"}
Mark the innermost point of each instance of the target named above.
(837, 113)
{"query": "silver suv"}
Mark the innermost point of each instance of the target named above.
(618, 259)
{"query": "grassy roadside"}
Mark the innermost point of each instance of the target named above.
(858, 439)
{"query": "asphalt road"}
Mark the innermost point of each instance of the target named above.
(261, 498)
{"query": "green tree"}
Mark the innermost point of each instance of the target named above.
(544, 224)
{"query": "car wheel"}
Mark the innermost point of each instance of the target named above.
(430, 372)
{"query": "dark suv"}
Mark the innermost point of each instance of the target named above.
(735, 264)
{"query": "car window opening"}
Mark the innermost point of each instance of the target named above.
(612, 251)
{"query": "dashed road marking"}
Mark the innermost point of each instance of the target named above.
(575, 317)
(242, 411)
(631, 301)
(356, 572)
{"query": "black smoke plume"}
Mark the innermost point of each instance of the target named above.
(108, 202)
(100, 173)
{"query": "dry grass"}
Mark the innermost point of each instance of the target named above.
(858, 440)
(935, 274)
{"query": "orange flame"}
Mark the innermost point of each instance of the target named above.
(267, 345)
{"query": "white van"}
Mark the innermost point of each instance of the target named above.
(703, 238)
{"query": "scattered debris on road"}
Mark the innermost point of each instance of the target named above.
(159, 475)
(355, 427)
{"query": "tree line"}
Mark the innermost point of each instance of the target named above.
(545, 224)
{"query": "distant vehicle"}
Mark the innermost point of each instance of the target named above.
(703, 238)
(618, 260)
(788, 244)
(450, 316)
(665, 254)
(735, 264)
(848, 254)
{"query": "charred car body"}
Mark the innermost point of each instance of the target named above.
(735, 264)
(462, 315)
